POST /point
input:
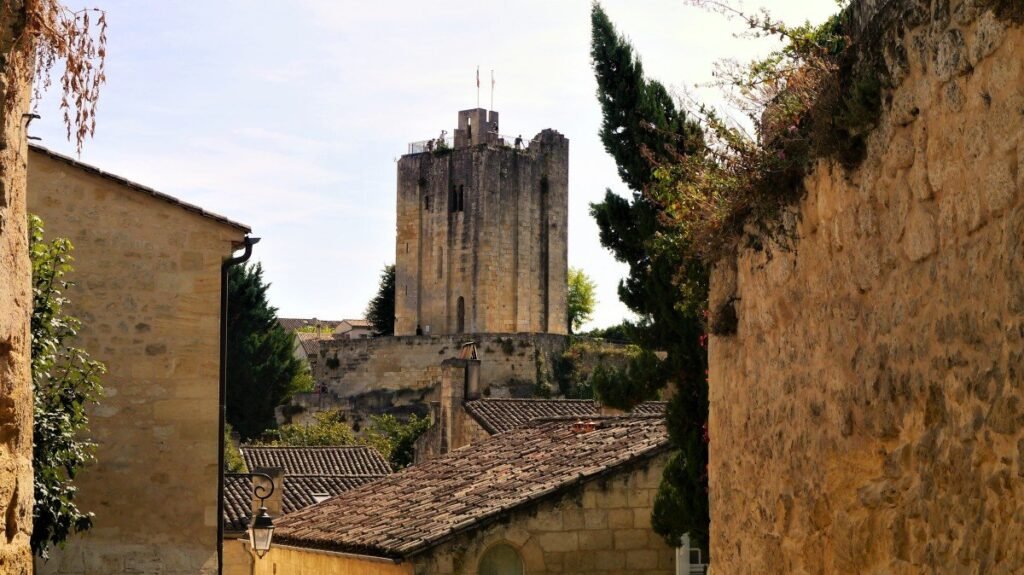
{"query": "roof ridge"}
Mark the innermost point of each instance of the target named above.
(140, 188)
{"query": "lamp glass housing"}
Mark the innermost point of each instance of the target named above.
(261, 532)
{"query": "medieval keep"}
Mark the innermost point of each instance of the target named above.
(482, 232)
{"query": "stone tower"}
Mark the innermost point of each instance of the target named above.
(482, 232)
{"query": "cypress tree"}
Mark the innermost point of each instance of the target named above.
(642, 128)
(262, 367)
(380, 312)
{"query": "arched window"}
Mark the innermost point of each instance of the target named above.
(460, 310)
(500, 559)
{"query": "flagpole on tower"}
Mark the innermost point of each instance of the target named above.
(478, 86)
(492, 89)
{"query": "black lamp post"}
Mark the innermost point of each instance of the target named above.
(261, 528)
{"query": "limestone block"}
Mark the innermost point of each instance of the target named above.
(1000, 186)
(920, 240)
(628, 539)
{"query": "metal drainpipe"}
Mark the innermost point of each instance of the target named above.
(225, 267)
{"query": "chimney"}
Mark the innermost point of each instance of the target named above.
(275, 502)
(453, 394)
(472, 364)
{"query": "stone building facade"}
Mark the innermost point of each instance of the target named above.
(482, 233)
(147, 289)
(15, 305)
(549, 497)
(867, 416)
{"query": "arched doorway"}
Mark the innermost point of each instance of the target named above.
(500, 559)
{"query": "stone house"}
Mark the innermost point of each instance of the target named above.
(147, 271)
(462, 416)
(554, 496)
(353, 329)
(303, 476)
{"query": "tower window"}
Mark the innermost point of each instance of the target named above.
(457, 199)
(460, 311)
(426, 203)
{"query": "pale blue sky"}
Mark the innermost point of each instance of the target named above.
(289, 115)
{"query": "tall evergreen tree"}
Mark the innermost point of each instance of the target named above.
(262, 370)
(381, 310)
(642, 129)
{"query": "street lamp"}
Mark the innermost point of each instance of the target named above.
(261, 528)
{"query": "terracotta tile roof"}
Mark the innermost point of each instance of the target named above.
(299, 492)
(357, 322)
(139, 187)
(237, 502)
(310, 342)
(294, 323)
(412, 510)
(342, 460)
(501, 415)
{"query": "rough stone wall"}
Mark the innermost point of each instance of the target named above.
(147, 291)
(15, 309)
(605, 527)
(414, 362)
(868, 414)
(502, 248)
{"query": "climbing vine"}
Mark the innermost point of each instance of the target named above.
(64, 381)
(815, 97)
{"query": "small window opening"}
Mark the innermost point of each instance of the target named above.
(426, 203)
(460, 307)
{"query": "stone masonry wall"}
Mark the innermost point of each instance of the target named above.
(501, 250)
(147, 276)
(377, 375)
(868, 414)
(605, 527)
(15, 308)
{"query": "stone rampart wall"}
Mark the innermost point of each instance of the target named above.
(868, 414)
(509, 361)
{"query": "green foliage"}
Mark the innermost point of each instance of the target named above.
(233, 461)
(381, 310)
(667, 285)
(641, 124)
(638, 381)
(64, 381)
(394, 439)
(618, 333)
(329, 428)
(263, 372)
(581, 299)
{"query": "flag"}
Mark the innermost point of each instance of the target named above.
(492, 80)
(478, 76)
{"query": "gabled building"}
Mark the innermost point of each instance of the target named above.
(147, 274)
(461, 415)
(303, 476)
(554, 496)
